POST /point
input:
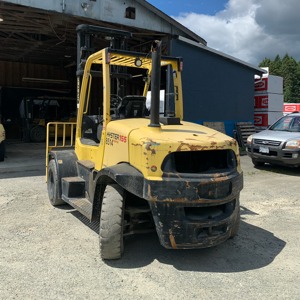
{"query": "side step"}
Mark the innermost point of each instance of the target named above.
(73, 192)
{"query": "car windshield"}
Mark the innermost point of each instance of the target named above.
(287, 123)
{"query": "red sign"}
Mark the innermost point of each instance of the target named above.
(261, 84)
(261, 101)
(290, 107)
(260, 119)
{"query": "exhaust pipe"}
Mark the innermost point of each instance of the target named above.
(155, 84)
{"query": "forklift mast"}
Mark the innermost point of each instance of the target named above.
(86, 35)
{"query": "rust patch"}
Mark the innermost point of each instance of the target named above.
(231, 142)
(172, 239)
(220, 178)
(149, 146)
(213, 145)
(191, 147)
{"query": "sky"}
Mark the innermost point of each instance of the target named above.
(250, 30)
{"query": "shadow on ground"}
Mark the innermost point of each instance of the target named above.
(252, 248)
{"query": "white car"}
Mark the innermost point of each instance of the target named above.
(279, 144)
(2, 139)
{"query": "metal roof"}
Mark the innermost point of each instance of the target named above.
(44, 32)
(257, 70)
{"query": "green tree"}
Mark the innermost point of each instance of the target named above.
(265, 63)
(289, 69)
(276, 66)
(289, 74)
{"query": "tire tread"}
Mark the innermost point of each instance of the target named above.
(111, 224)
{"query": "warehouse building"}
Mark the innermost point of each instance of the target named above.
(38, 57)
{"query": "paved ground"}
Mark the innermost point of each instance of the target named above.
(50, 253)
(23, 159)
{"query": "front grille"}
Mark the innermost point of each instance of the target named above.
(199, 162)
(266, 142)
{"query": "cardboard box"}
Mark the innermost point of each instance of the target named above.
(268, 102)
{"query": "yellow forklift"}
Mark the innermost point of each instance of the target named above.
(36, 112)
(136, 168)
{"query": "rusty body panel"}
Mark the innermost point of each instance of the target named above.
(195, 212)
(192, 207)
(189, 211)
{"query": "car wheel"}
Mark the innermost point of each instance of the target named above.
(257, 163)
(111, 224)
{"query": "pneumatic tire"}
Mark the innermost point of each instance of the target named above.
(38, 134)
(111, 223)
(53, 185)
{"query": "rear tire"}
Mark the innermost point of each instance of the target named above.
(38, 134)
(53, 185)
(111, 224)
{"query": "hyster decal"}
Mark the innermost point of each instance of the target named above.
(112, 138)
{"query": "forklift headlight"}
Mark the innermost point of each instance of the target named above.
(138, 62)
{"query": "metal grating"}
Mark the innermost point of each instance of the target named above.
(243, 131)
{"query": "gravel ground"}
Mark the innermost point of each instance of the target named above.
(52, 253)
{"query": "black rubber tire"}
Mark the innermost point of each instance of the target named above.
(257, 163)
(111, 224)
(53, 185)
(38, 134)
(2, 151)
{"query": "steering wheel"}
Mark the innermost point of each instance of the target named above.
(115, 100)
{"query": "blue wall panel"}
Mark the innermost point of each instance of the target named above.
(215, 88)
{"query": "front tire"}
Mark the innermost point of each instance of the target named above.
(112, 223)
(53, 185)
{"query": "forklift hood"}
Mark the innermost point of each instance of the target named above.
(147, 154)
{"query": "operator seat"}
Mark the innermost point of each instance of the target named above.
(89, 128)
(132, 106)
